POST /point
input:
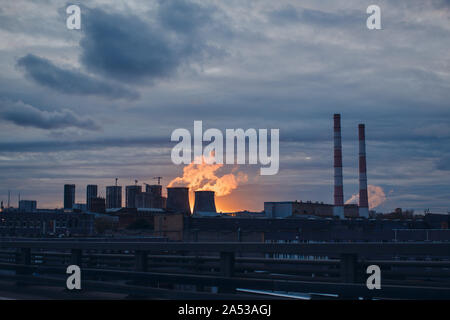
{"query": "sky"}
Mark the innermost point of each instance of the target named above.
(87, 106)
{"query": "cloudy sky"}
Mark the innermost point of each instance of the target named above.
(86, 106)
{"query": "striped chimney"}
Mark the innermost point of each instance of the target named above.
(363, 196)
(338, 209)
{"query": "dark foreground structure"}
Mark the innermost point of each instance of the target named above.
(186, 270)
(45, 223)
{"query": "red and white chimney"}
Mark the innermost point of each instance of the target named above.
(363, 195)
(338, 209)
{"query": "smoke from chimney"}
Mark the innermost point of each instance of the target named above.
(338, 209)
(205, 176)
(363, 195)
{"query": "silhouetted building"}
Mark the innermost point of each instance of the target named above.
(204, 203)
(437, 221)
(352, 211)
(113, 197)
(151, 198)
(69, 196)
(178, 200)
(91, 192)
(79, 207)
(144, 200)
(305, 228)
(155, 189)
(295, 208)
(130, 195)
(169, 225)
(98, 205)
(290, 208)
(46, 223)
(27, 205)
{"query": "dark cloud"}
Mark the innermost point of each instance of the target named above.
(26, 115)
(45, 73)
(129, 49)
(93, 144)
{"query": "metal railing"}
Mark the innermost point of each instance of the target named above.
(192, 270)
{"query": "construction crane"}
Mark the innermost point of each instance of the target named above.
(159, 179)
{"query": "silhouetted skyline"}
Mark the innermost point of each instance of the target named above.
(66, 118)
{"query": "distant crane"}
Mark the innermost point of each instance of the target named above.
(159, 179)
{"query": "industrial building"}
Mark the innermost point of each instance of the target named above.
(431, 227)
(178, 200)
(204, 204)
(295, 208)
(286, 221)
(338, 209)
(363, 194)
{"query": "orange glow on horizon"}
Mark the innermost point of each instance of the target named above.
(223, 204)
(204, 177)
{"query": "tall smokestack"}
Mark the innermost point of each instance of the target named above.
(178, 200)
(338, 209)
(204, 202)
(363, 196)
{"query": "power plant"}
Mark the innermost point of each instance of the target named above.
(178, 200)
(363, 196)
(204, 203)
(280, 220)
(338, 209)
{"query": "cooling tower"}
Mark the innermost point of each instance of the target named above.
(204, 202)
(338, 209)
(363, 196)
(178, 200)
